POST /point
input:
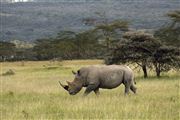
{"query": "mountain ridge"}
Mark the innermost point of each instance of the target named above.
(33, 20)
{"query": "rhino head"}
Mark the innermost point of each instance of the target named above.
(75, 86)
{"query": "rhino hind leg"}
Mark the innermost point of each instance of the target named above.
(127, 87)
(127, 84)
(133, 88)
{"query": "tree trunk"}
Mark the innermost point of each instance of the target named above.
(144, 70)
(158, 70)
(158, 73)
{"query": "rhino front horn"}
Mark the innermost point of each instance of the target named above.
(64, 86)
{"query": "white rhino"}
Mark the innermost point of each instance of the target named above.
(103, 76)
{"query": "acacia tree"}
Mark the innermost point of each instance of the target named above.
(79, 45)
(166, 58)
(136, 47)
(146, 51)
(108, 31)
(88, 45)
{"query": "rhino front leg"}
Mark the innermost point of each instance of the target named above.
(89, 89)
(97, 91)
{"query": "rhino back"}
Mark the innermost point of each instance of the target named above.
(106, 76)
(112, 76)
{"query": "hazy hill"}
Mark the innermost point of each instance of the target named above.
(31, 20)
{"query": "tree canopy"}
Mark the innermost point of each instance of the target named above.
(146, 51)
(135, 47)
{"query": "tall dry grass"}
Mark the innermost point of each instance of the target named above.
(33, 92)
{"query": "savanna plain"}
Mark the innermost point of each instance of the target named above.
(33, 92)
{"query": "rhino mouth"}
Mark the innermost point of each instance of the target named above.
(72, 93)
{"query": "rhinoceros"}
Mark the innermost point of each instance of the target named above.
(102, 76)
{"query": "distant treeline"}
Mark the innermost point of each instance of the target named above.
(112, 41)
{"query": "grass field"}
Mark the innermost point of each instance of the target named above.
(33, 92)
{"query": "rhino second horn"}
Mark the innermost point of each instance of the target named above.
(74, 72)
(64, 86)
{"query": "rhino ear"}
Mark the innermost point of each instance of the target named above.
(78, 72)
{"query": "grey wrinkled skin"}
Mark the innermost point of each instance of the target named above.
(105, 77)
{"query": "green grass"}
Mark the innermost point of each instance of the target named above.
(33, 92)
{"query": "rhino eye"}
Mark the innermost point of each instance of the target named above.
(73, 85)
